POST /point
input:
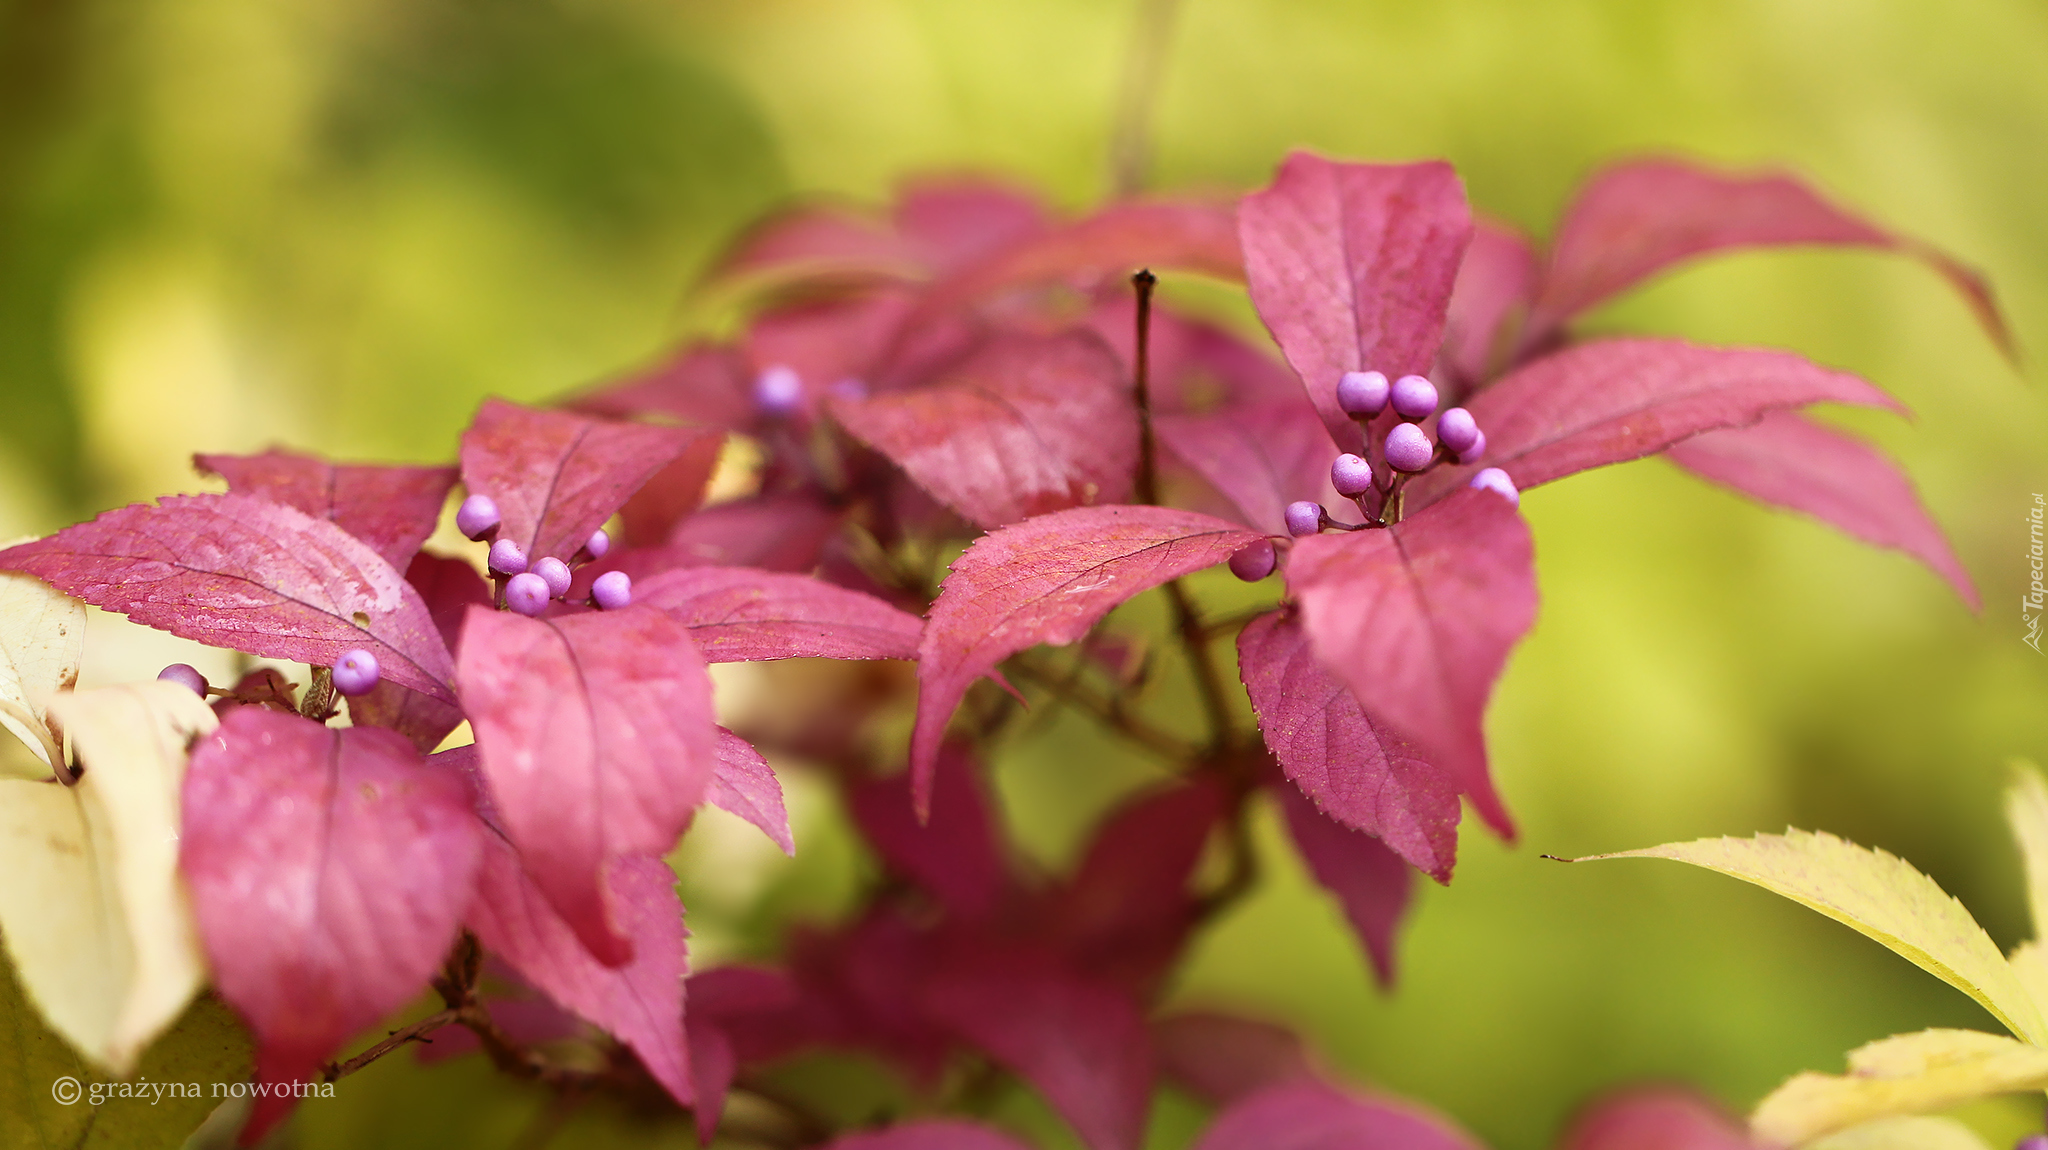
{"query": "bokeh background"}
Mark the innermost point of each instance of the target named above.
(337, 224)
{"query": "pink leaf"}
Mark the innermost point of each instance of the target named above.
(1790, 461)
(1656, 1118)
(557, 477)
(671, 494)
(953, 222)
(329, 870)
(1195, 366)
(596, 739)
(775, 532)
(1418, 620)
(1356, 774)
(814, 241)
(1128, 907)
(1030, 424)
(422, 720)
(743, 784)
(1351, 266)
(242, 572)
(1370, 881)
(1495, 282)
(704, 385)
(955, 855)
(1222, 1058)
(641, 1003)
(1311, 1116)
(393, 509)
(931, 1134)
(1181, 235)
(1259, 458)
(1643, 216)
(449, 587)
(1046, 580)
(739, 615)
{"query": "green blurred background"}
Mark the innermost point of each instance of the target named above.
(227, 223)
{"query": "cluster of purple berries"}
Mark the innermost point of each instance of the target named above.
(529, 587)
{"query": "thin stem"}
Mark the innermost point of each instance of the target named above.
(1109, 710)
(417, 1032)
(1147, 485)
(1194, 638)
(1130, 144)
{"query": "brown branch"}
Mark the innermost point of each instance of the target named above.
(1110, 710)
(1147, 485)
(1194, 638)
(417, 1032)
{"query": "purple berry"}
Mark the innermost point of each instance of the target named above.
(1457, 430)
(612, 590)
(1253, 561)
(1351, 475)
(1477, 450)
(2032, 1142)
(1362, 392)
(555, 574)
(1495, 480)
(527, 594)
(778, 391)
(184, 675)
(507, 558)
(1414, 397)
(1408, 448)
(1304, 518)
(478, 516)
(356, 673)
(597, 544)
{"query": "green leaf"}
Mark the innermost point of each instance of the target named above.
(1904, 1075)
(1906, 1134)
(1880, 895)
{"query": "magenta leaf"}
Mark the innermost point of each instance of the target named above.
(1082, 1044)
(1128, 907)
(595, 736)
(1418, 620)
(449, 587)
(948, 223)
(1790, 461)
(329, 870)
(1029, 424)
(1311, 1116)
(393, 509)
(813, 241)
(1046, 580)
(775, 532)
(1180, 235)
(557, 477)
(1325, 742)
(242, 572)
(955, 854)
(424, 721)
(1656, 1118)
(1495, 283)
(1351, 267)
(671, 494)
(640, 1003)
(735, 614)
(1222, 1058)
(1643, 216)
(1260, 458)
(704, 385)
(931, 1134)
(743, 784)
(1195, 366)
(1372, 884)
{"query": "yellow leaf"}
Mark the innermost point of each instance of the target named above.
(1880, 895)
(1906, 1134)
(1900, 1076)
(95, 916)
(2026, 808)
(42, 635)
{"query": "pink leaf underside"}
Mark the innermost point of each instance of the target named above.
(1082, 1044)
(1127, 908)
(1047, 580)
(1656, 1118)
(1311, 1116)
(1790, 461)
(1259, 458)
(1418, 620)
(449, 587)
(640, 1003)
(934, 1134)
(1222, 1058)
(557, 476)
(1496, 281)
(329, 870)
(955, 854)
(738, 614)
(1643, 216)
(596, 739)
(1029, 424)
(1370, 882)
(393, 509)
(1354, 772)
(743, 784)
(242, 572)
(703, 385)
(1620, 399)
(1351, 267)
(951, 223)
(1164, 235)
(671, 494)
(1194, 366)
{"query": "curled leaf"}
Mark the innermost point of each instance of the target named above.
(42, 638)
(1906, 1074)
(745, 785)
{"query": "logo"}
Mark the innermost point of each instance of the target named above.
(66, 1091)
(2035, 600)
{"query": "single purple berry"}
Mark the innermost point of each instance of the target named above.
(778, 391)
(356, 673)
(184, 675)
(507, 558)
(1304, 518)
(1253, 561)
(1457, 430)
(612, 590)
(1476, 451)
(597, 544)
(555, 574)
(1408, 448)
(1495, 480)
(1351, 475)
(527, 593)
(1414, 397)
(1362, 392)
(478, 516)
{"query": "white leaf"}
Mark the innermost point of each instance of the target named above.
(42, 635)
